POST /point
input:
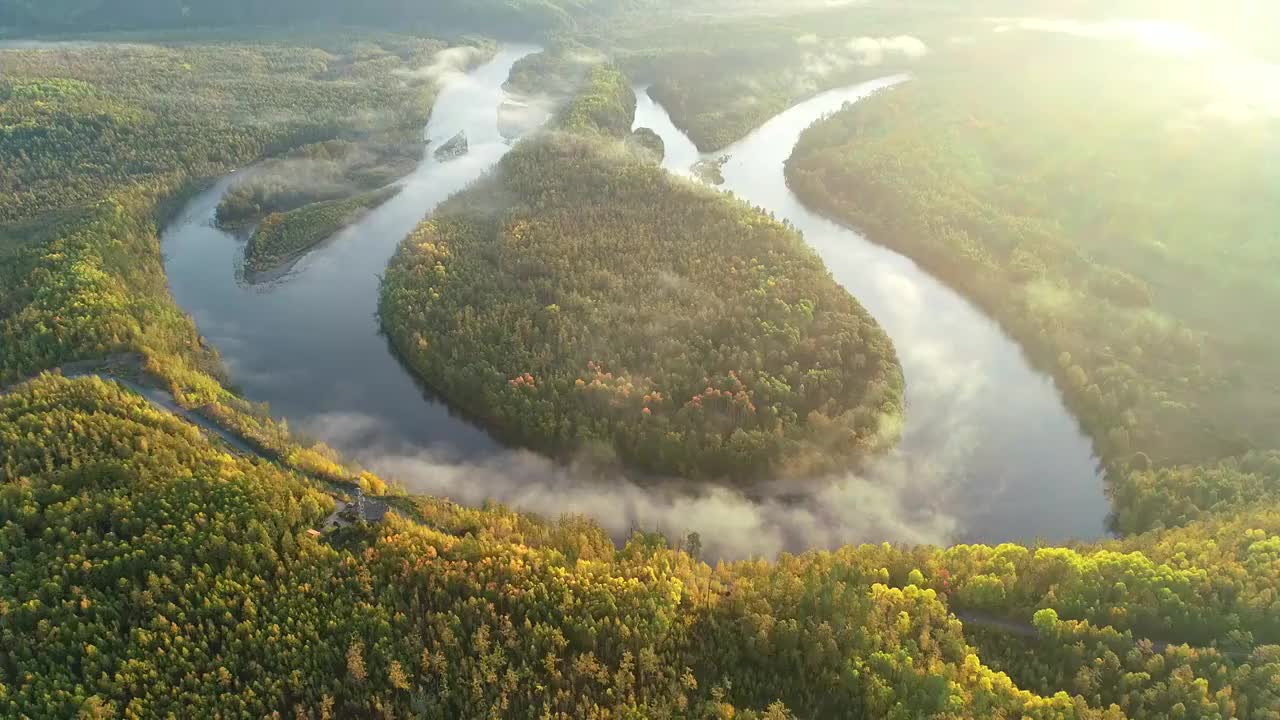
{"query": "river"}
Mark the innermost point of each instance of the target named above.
(985, 432)
(989, 451)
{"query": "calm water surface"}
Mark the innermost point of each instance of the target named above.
(308, 343)
(989, 453)
(986, 435)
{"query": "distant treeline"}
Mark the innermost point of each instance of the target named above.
(517, 17)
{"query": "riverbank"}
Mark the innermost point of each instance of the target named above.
(1087, 248)
(969, 387)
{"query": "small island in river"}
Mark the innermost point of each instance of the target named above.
(307, 196)
(456, 147)
(283, 236)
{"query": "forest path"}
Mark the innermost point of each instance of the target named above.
(123, 370)
(126, 370)
(1029, 631)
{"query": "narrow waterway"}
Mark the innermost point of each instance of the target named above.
(308, 342)
(986, 435)
(990, 454)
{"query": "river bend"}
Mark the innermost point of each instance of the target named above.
(989, 452)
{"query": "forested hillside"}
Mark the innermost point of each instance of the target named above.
(149, 572)
(606, 302)
(100, 144)
(1117, 222)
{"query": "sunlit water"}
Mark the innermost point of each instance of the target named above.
(990, 453)
(987, 436)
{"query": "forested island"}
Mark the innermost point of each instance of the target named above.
(282, 236)
(606, 302)
(322, 172)
(151, 569)
(303, 198)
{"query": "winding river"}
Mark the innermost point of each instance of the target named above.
(989, 452)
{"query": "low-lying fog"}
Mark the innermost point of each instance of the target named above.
(972, 466)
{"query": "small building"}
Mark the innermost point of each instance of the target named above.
(360, 509)
(374, 511)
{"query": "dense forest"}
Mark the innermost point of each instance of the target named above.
(148, 571)
(79, 123)
(606, 303)
(1079, 204)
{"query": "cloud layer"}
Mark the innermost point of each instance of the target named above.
(904, 502)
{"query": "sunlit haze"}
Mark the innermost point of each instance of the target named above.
(619, 359)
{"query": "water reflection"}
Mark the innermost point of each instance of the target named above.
(308, 342)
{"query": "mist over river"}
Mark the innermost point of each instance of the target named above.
(989, 452)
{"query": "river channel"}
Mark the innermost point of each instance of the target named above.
(989, 451)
